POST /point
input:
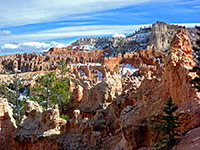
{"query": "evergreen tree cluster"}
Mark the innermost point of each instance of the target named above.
(11, 90)
(52, 88)
(48, 90)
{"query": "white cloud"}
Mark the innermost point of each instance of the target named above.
(117, 35)
(9, 46)
(5, 32)
(56, 44)
(197, 6)
(30, 46)
(186, 2)
(68, 32)
(187, 24)
(21, 12)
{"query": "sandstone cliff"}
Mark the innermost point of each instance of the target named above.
(162, 35)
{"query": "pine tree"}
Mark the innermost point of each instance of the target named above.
(196, 80)
(61, 91)
(63, 67)
(42, 90)
(52, 88)
(11, 90)
(16, 85)
(168, 125)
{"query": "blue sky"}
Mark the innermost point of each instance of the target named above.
(37, 25)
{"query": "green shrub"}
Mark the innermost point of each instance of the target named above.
(65, 117)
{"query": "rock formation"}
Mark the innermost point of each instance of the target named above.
(132, 116)
(38, 130)
(100, 95)
(113, 112)
(7, 125)
(177, 64)
(162, 35)
(189, 141)
(149, 98)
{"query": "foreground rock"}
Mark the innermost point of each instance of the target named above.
(7, 125)
(39, 131)
(190, 141)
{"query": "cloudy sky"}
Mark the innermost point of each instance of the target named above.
(37, 25)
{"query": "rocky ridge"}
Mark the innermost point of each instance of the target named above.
(160, 36)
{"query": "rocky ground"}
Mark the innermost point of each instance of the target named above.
(111, 111)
